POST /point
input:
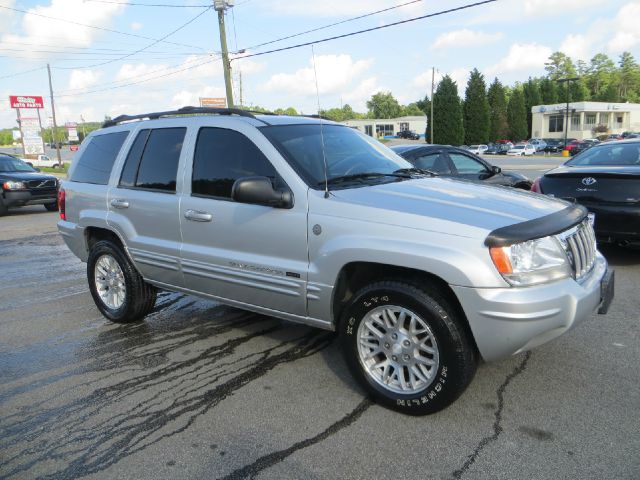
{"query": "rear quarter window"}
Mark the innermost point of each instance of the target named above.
(96, 162)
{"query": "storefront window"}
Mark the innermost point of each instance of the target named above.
(556, 123)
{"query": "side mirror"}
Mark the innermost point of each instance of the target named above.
(260, 191)
(495, 169)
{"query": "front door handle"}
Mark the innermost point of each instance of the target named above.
(119, 203)
(198, 216)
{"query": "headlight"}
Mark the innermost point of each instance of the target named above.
(532, 262)
(13, 186)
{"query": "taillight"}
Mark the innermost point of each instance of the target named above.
(61, 203)
(536, 186)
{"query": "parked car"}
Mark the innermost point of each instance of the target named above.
(582, 145)
(519, 150)
(613, 137)
(557, 145)
(499, 149)
(42, 161)
(314, 222)
(24, 185)
(605, 179)
(410, 134)
(477, 149)
(539, 143)
(455, 162)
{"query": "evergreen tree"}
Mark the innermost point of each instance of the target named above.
(532, 97)
(447, 114)
(517, 116)
(498, 112)
(629, 78)
(548, 91)
(600, 74)
(476, 110)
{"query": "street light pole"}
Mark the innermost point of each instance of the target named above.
(220, 6)
(566, 123)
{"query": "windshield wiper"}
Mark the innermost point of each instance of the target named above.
(362, 176)
(420, 171)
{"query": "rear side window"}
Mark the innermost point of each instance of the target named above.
(152, 163)
(96, 162)
(222, 156)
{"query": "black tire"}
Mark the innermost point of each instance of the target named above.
(457, 355)
(3, 208)
(139, 297)
(51, 207)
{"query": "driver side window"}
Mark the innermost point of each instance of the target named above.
(436, 162)
(467, 165)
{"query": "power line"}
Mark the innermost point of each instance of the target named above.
(21, 73)
(26, 12)
(136, 4)
(140, 81)
(155, 42)
(314, 42)
(331, 25)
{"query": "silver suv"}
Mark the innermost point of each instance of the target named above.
(316, 223)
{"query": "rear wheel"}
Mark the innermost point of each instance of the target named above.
(3, 208)
(407, 346)
(118, 290)
(51, 207)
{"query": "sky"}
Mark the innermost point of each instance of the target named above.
(112, 57)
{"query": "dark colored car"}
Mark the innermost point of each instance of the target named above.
(498, 149)
(455, 162)
(410, 134)
(582, 145)
(24, 185)
(605, 179)
(557, 145)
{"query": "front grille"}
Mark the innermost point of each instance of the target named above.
(41, 183)
(580, 245)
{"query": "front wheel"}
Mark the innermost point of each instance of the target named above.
(407, 346)
(118, 290)
(51, 207)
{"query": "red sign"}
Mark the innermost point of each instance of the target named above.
(73, 148)
(25, 101)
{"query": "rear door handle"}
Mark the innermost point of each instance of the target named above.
(198, 216)
(119, 203)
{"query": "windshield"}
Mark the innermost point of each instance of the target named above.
(518, 147)
(614, 154)
(347, 152)
(10, 164)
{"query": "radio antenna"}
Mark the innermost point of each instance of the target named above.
(324, 157)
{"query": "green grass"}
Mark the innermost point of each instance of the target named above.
(64, 169)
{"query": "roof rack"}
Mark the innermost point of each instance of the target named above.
(180, 111)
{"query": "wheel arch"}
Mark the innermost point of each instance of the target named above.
(355, 275)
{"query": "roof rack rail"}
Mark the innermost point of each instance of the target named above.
(180, 111)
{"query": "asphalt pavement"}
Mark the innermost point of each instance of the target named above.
(203, 391)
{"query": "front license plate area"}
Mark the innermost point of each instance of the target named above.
(606, 291)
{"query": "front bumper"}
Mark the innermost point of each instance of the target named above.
(507, 321)
(19, 198)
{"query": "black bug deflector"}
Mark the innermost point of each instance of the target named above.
(537, 228)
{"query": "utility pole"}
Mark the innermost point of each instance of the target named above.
(53, 113)
(433, 77)
(566, 123)
(221, 6)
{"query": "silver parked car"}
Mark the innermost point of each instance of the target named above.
(314, 222)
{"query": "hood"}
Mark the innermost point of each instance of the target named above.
(486, 207)
(26, 176)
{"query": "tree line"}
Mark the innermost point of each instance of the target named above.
(487, 114)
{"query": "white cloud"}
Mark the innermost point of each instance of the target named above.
(42, 30)
(537, 8)
(135, 26)
(465, 38)
(521, 57)
(357, 98)
(83, 79)
(190, 97)
(335, 73)
(625, 28)
(578, 47)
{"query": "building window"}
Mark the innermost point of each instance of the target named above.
(556, 123)
(575, 122)
(368, 129)
(404, 126)
(604, 118)
(590, 119)
(619, 120)
(386, 129)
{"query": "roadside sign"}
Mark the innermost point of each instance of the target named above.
(73, 148)
(26, 101)
(213, 102)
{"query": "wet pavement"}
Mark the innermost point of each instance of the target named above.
(203, 391)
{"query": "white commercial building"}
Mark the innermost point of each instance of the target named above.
(586, 119)
(389, 127)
